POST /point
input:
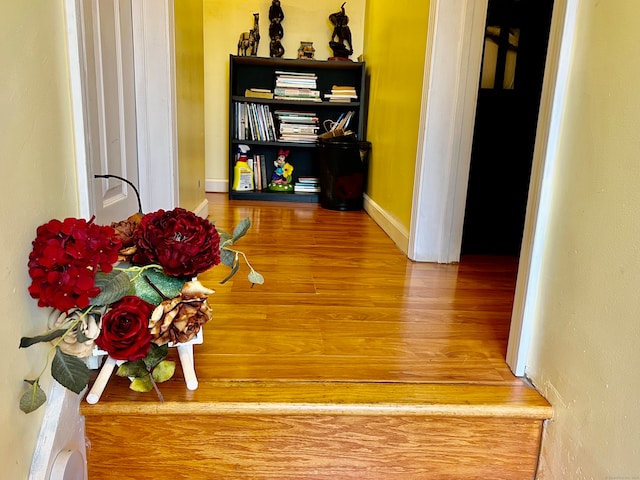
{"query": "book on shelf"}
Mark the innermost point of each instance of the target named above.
(289, 116)
(341, 93)
(338, 98)
(263, 171)
(298, 138)
(296, 79)
(307, 184)
(257, 175)
(299, 189)
(258, 93)
(344, 120)
(298, 128)
(254, 122)
(290, 73)
(295, 126)
(311, 180)
(297, 99)
(259, 166)
(296, 92)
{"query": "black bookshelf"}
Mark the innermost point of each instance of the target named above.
(259, 72)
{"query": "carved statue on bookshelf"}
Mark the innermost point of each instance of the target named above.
(275, 47)
(282, 174)
(250, 40)
(342, 48)
(276, 32)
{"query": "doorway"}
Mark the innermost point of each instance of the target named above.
(515, 47)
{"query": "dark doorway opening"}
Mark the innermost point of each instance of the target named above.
(516, 40)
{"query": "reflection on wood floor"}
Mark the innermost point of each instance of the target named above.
(341, 302)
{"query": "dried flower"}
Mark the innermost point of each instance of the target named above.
(125, 230)
(179, 319)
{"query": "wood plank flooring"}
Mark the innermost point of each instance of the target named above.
(344, 327)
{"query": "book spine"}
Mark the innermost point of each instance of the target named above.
(296, 92)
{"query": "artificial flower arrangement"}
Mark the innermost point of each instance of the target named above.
(129, 289)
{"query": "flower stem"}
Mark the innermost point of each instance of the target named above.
(138, 270)
(127, 182)
(155, 387)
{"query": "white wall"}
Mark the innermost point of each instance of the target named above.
(36, 154)
(585, 353)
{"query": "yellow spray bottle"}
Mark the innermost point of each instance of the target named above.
(242, 171)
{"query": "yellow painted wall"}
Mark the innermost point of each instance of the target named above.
(39, 183)
(395, 45)
(189, 48)
(224, 21)
(585, 353)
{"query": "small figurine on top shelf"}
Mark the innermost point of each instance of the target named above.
(340, 22)
(276, 32)
(282, 175)
(306, 51)
(250, 40)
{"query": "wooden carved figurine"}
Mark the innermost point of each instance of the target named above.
(276, 32)
(249, 40)
(342, 48)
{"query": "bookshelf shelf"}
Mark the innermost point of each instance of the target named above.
(260, 73)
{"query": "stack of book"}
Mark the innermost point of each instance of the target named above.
(341, 93)
(307, 185)
(296, 86)
(294, 126)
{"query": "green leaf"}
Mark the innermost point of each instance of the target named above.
(227, 257)
(132, 369)
(142, 384)
(155, 355)
(69, 371)
(255, 277)
(80, 336)
(233, 271)
(33, 398)
(164, 371)
(47, 337)
(169, 286)
(241, 229)
(113, 286)
(225, 238)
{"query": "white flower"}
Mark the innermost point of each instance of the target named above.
(84, 329)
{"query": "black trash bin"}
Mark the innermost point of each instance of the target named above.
(344, 164)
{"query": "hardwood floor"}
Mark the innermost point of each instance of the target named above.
(347, 337)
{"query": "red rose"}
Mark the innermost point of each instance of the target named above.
(178, 240)
(125, 329)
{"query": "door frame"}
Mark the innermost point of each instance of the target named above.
(154, 70)
(455, 41)
(452, 69)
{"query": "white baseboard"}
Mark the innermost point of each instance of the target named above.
(214, 185)
(60, 452)
(394, 229)
(202, 210)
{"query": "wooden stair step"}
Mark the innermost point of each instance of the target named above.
(318, 430)
(371, 398)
